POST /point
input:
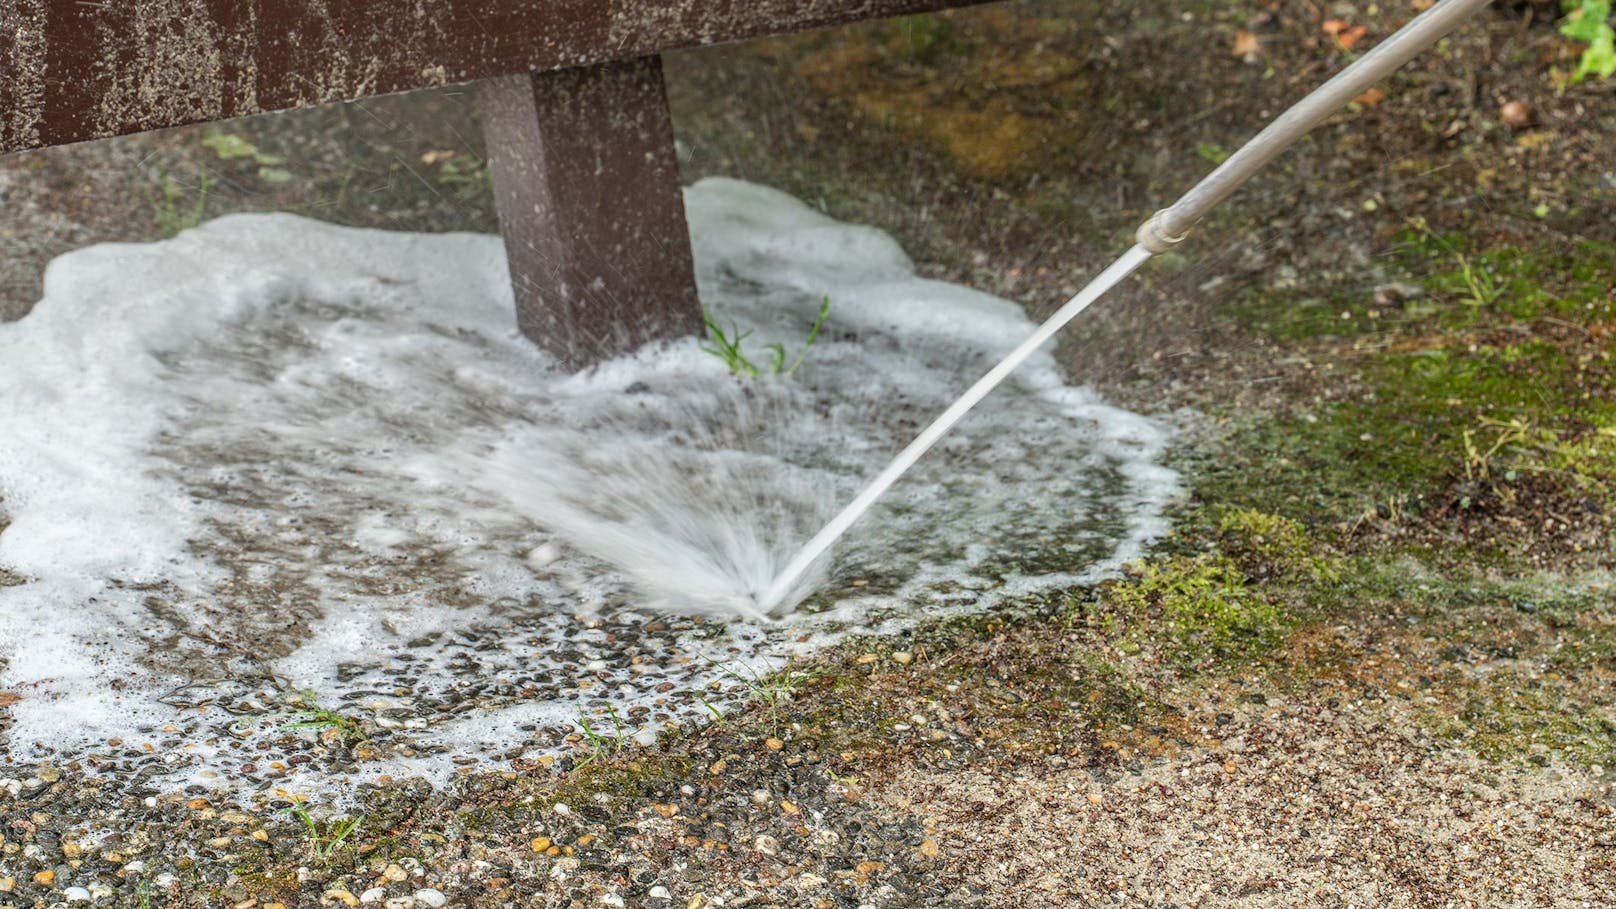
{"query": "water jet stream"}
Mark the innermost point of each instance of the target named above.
(1158, 234)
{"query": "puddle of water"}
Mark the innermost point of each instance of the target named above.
(273, 456)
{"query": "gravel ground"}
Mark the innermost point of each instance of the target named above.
(1288, 804)
(992, 762)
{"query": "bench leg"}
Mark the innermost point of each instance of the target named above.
(587, 187)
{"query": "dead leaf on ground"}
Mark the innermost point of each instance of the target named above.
(1370, 98)
(1346, 35)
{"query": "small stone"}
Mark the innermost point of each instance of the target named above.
(928, 848)
(562, 808)
(902, 657)
(338, 895)
(49, 774)
(77, 894)
(789, 807)
(395, 873)
(261, 835)
(808, 881)
(7, 884)
(1515, 114)
(660, 892)
(71, 851)
(45, 878)
(766, 844)
(774, 744)
(373, 895)
(697, 901)
(540, 844)
(429, 897)
(611, 899)
(400, 902)
(717, 767)
(1095, 798)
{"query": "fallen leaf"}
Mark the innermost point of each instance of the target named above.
(7, 698)
(1246, 44)
(1346, 34)
(1370, 98)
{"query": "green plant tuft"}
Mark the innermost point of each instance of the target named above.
(727, 346)
(774, 689)
(176, 207)
(1588, 21)
(324, 839)
(600, 745)
(1207, 603)
(323, 721)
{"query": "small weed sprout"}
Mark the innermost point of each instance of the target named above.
(173, 209)
(601, 745)
(1482, 288)
(335, 834)
(727, 346)
(231, 146)
(1587, 461)
(774, 690)
(718, 715)
(466, 174)
(325, 721)
(1479, 463)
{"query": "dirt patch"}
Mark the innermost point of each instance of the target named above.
(1292, 804)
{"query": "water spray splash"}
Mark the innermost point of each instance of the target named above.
(788, 585)
(1164, 230)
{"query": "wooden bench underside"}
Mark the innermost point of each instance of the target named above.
(72, 70)
(570, 92)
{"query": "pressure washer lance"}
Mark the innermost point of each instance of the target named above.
(1165, 229)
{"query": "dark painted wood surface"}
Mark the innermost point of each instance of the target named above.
(72, 70)
(590, 206)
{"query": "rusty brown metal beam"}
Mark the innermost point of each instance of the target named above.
(587, 186)
(72, 70)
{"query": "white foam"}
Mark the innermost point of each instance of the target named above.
(294, 455)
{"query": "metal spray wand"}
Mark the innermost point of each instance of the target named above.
(1161, 232)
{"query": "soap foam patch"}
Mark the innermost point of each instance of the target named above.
(273, 463)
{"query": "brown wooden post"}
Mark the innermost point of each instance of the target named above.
(587, 186)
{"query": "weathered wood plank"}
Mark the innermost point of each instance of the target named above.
(587, 186)
(72, 70)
